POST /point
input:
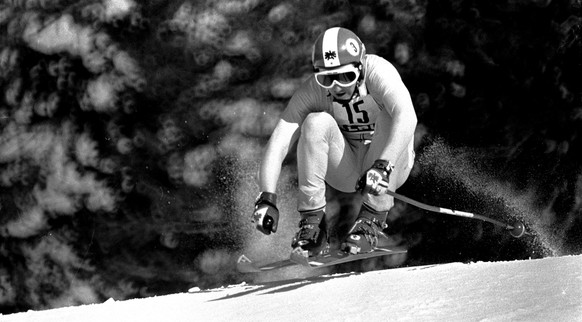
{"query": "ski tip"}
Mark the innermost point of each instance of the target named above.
(245, 265)
(392, 250)
(243, 259)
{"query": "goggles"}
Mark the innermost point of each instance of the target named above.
(344, 76)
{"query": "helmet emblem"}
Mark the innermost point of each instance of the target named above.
(352, 47)
(330, 55)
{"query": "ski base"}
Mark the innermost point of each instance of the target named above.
(299, 257)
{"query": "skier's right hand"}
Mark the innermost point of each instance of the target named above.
(266, 214)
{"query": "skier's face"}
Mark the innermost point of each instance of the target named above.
(342, 93)
(341, 81)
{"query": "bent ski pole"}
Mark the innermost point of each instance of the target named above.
(516, 230)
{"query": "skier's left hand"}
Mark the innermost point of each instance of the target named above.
(375, 180)
(266, 214)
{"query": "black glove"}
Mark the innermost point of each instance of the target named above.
(375, 180)
(266, 215)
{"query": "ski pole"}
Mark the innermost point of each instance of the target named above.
(516, 230)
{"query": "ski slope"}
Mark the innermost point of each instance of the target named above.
(548, 289)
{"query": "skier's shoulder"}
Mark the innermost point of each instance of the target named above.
(307, 98)
(309, 93)
(377, 66)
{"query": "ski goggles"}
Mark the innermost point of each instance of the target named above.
(344, 76)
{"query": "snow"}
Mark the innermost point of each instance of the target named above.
(527, 290)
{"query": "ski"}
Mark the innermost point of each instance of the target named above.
(298, 257)
(336, 257)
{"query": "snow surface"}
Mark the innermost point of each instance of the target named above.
(548, 289)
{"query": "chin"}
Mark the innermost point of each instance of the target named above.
(347, 94)
(344, 96)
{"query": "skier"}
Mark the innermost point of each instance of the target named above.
(355, 123)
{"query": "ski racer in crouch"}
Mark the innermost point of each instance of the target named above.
(355, 123)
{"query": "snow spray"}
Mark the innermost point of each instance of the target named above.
(451, 168)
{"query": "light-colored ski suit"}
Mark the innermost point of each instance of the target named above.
(339, 141)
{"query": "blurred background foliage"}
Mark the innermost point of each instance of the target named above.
(131, 132)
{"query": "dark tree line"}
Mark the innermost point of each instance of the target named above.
(130, 132)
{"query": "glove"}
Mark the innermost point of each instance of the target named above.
(266, 215)
(375, 180)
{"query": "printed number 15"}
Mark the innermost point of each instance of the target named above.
(364, 115)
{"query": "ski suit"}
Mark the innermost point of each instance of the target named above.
(339, 140)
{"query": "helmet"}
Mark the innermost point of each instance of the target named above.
(337, 47)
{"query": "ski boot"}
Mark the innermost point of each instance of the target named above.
(312, 235)
(367, 232)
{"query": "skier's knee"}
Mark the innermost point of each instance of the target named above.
(316, 125)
